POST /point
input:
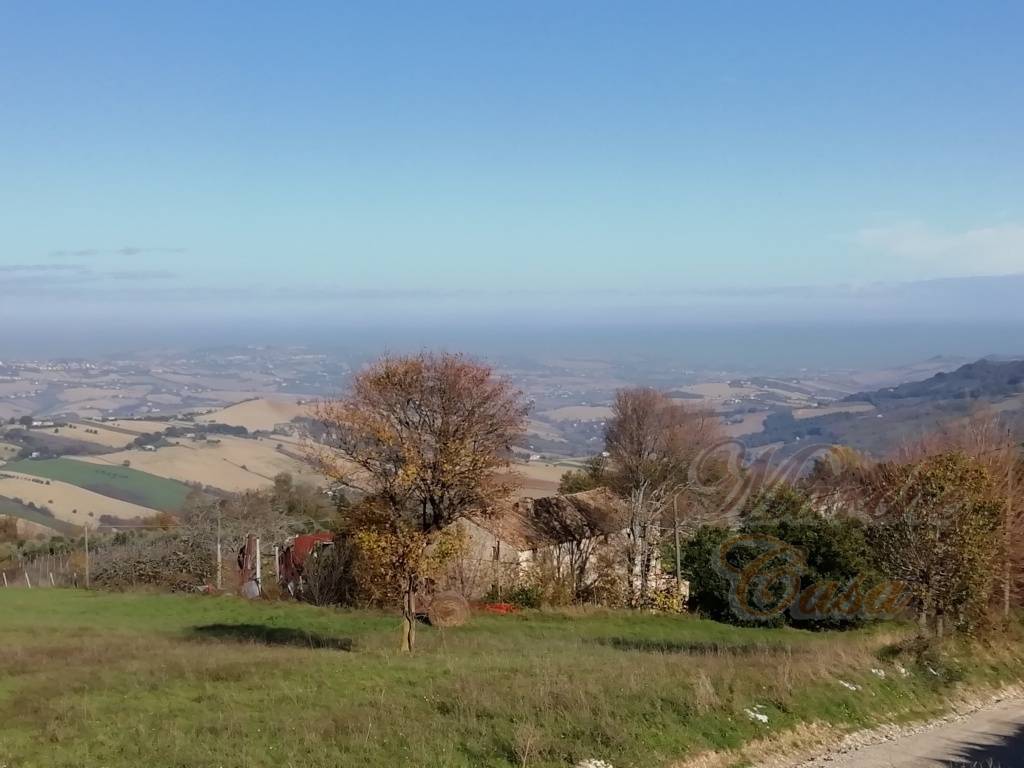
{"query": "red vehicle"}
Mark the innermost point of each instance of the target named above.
(296, 552)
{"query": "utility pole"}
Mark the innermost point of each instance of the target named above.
(87, 556)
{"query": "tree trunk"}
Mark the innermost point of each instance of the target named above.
(409, 615)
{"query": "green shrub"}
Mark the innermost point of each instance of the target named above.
(521, 595)
(833, 550)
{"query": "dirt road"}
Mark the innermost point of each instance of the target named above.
(989, 738)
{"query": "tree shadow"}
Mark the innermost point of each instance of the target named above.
(266, 635)
(1003, 751)
(696, 647)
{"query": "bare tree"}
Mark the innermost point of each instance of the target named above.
(429, 438)
(653, 442)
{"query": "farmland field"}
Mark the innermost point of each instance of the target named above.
(143, 679)
(14, 509)
(232, 464)
(259, 414)
(68, 503)
(579, 413)
(117, 482)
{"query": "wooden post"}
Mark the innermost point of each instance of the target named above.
(220, 557)
(28, 581)
(675, 531)
(6, 585)
(52, 584)
(259, 569)
(87, 556)
(277, 563)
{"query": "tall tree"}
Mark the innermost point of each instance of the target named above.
(938, 532)
(989, 440)
(428, 437)
(654, 446)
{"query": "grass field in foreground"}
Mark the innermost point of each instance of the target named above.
(95, 679)
(121, 483)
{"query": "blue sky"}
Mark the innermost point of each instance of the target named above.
(448, 160)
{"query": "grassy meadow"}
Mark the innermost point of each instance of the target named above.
(117, 482)
(97, 679)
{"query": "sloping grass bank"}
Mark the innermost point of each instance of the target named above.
(92, 679)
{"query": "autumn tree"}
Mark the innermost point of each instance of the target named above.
(427, 438)
(984, 437)
(654, 446)
(937, 531)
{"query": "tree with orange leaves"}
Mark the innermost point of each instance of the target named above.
(427, 438)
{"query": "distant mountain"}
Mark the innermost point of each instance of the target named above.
(898, 414)
(986, 378)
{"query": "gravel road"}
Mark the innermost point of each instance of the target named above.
(991, 737)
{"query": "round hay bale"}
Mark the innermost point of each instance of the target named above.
(448, 609)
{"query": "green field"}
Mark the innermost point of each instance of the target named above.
(93, 679)
(116, 482)
(14, 509)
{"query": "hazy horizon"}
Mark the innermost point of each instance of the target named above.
(374, 167)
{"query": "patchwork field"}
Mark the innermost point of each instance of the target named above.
(579, 413)
(67, 502)
(539, 478)
(127, 680)
(827, 410)
(233, 464)
(96, 433)
(33, 517)
(260, 414)
(117, 482)
(752, 422)
(137, 426)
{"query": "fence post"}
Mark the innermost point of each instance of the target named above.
(87, 556)
(220, 556)
(28, 581)
(259, 569)
(6, 585)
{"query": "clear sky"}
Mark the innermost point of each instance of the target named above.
(462, 159)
